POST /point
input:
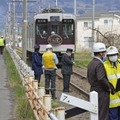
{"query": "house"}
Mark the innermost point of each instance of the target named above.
(104, 23)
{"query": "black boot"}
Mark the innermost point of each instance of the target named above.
(47, 91)
(53, 94)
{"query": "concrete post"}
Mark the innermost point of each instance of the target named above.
(41, 93)
(35, 85)
(94, 100)
(47, 104)
(60, 113)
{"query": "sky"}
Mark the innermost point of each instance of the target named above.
(47, 3)
(3, 14)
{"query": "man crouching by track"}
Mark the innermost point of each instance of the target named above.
(49, 61)
(98, 80)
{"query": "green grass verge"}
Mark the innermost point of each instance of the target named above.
(82, 59)
(22, 107)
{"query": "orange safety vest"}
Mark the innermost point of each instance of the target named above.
(48, 59)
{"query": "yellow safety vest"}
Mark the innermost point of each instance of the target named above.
(48, 59)
(1, 42)
(113, 73)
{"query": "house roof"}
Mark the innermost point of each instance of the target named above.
(98, 14)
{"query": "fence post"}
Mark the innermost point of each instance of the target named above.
(35, 85)
(94, 100)
(60, 113)
(47, 104)
(41, 93)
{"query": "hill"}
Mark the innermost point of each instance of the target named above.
(83, 6)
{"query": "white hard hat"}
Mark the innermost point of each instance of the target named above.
(99, 47)
(112, 50)
(52, 32)
(49, 46)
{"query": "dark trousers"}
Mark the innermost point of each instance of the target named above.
(38, 77)
(114, 113)
(103, 104)
(50, 78)
(1, 49)
(66, 82)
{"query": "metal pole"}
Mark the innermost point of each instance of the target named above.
(93, 23)
(24, 34)
(75, 28)
(14, 24)
(9, 24)
(75, 8)
(56, 3)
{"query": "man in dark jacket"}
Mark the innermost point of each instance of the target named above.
(66, 69)
(37, 63)
(98, 80)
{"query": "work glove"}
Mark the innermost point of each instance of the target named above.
(113, 91)
(118, 85)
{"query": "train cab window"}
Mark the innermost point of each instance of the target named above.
(55, 29)
(68, 27)
(54, 18)
(41, 27)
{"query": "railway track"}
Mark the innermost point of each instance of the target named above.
(76, 83)
(78, 90)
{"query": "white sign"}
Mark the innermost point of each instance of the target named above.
(79, 103)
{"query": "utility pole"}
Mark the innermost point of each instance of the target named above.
(9, 24)
(93, 23)
(56, 3)
(75, 28)
(24, 32)
(14, 27)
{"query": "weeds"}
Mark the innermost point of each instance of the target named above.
(23, 110)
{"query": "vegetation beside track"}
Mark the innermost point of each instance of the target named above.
(82, 59)
(23, 110)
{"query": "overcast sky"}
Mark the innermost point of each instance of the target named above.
(46, 3)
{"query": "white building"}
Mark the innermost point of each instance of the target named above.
(103, 23)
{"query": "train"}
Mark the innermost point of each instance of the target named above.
(51, 26)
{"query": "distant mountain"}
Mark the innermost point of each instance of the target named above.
(83, 6)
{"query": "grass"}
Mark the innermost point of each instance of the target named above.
(83, 58)
(23, 110)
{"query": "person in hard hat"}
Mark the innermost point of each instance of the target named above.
(97, 78)
(2, 44)
(50, 61)
(67, 69)
(37, 63)
(112, 67)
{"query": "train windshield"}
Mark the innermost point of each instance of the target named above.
(68, 26)
(55, 28)
(41, 27)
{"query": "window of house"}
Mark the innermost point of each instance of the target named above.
(87, 24)
(88, 41)
(108, 22)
